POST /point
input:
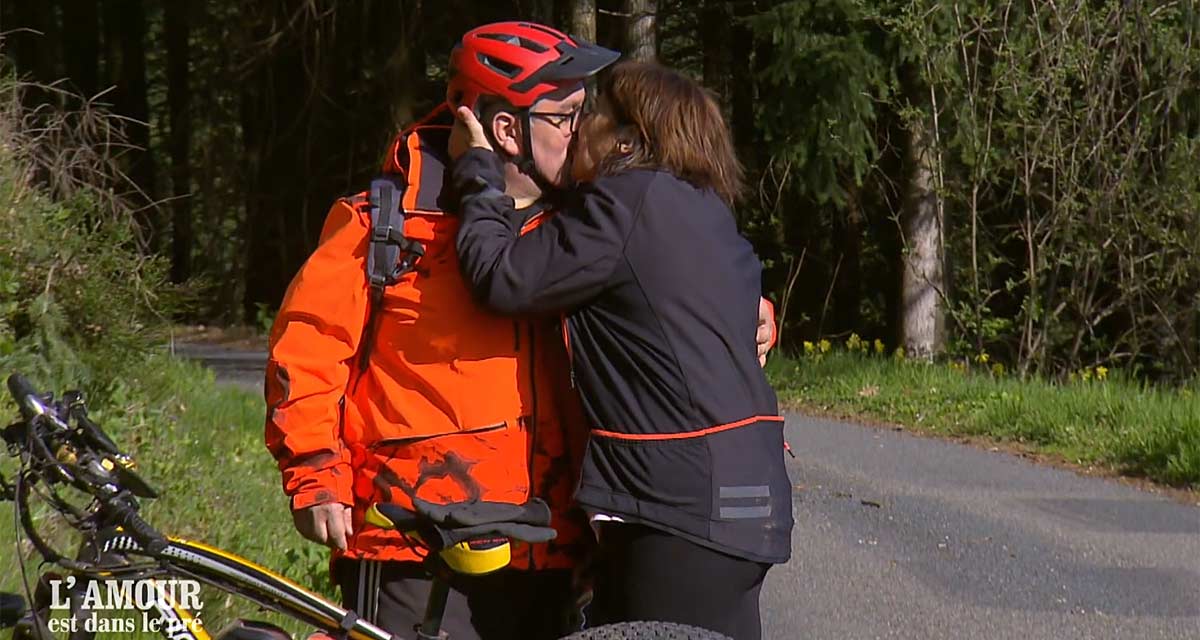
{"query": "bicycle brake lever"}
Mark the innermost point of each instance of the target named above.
(14, 436)
(123, 465)
(131, 480)
(91, 431)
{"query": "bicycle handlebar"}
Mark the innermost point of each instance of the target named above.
(85, 457)
(30, 403)
(22, 391)
(151, 540)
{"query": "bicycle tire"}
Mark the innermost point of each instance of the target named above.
(647, 631)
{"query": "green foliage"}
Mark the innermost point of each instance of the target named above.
(264, 317)
(78, 303)
(1065, 139)
(308, 564)
(81, 307)
(826, 79)
(1072, 222)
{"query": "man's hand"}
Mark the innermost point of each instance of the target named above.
(327, 524)
(765, 336)
(466, 133)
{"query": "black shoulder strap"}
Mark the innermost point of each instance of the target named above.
(390, 255)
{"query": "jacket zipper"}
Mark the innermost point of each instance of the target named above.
(566, 334)
(533, 426)
(525, 226)
(385, 442)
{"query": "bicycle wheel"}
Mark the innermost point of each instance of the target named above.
(647, 631)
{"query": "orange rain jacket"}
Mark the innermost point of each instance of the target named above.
(455, 402)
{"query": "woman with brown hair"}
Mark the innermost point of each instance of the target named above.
(684, 474)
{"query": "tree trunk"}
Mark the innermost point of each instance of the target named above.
(405, 64)
(741, 102)
(306, 151)
(714, 44)
(582, 19)
(81, 44)
(610, 25)
(540, 11)
(922, 324)
(1193, 334)
(847, 229)
(31, 40)
(641, 37)
(250, 108)
(126, 20)
(275, 127)
(177, 30)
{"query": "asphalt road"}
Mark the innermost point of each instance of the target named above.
(899, 536)
(906, 537)
(242, 368)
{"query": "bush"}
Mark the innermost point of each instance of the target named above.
(80, 303)
(83, 306)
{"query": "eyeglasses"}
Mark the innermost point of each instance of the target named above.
(557, 120)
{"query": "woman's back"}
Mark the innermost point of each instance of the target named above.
(686, 433)
(676, 327)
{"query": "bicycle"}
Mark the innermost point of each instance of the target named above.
(121, 547)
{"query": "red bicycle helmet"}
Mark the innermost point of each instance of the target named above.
(520, 62)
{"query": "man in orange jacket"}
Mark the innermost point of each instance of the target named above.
(422, 393)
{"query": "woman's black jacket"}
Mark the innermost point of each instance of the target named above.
(660, 296)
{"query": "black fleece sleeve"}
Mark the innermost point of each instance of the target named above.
(564, 262)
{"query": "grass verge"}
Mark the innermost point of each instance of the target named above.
(200, 445)
(1098, 418)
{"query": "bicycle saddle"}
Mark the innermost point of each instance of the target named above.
(471, 537)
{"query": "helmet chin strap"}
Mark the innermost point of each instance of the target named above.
(525, 162)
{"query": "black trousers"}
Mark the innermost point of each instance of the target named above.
(506, 604)
(646, 574)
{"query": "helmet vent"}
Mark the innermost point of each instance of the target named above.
(499, 66)
(524, 43)
(538, 27)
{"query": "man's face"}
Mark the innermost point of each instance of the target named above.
(595, 140)
(553, 125)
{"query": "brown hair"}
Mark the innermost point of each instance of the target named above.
(673, 124)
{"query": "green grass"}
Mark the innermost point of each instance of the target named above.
(1112, 422)
(200, 444)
